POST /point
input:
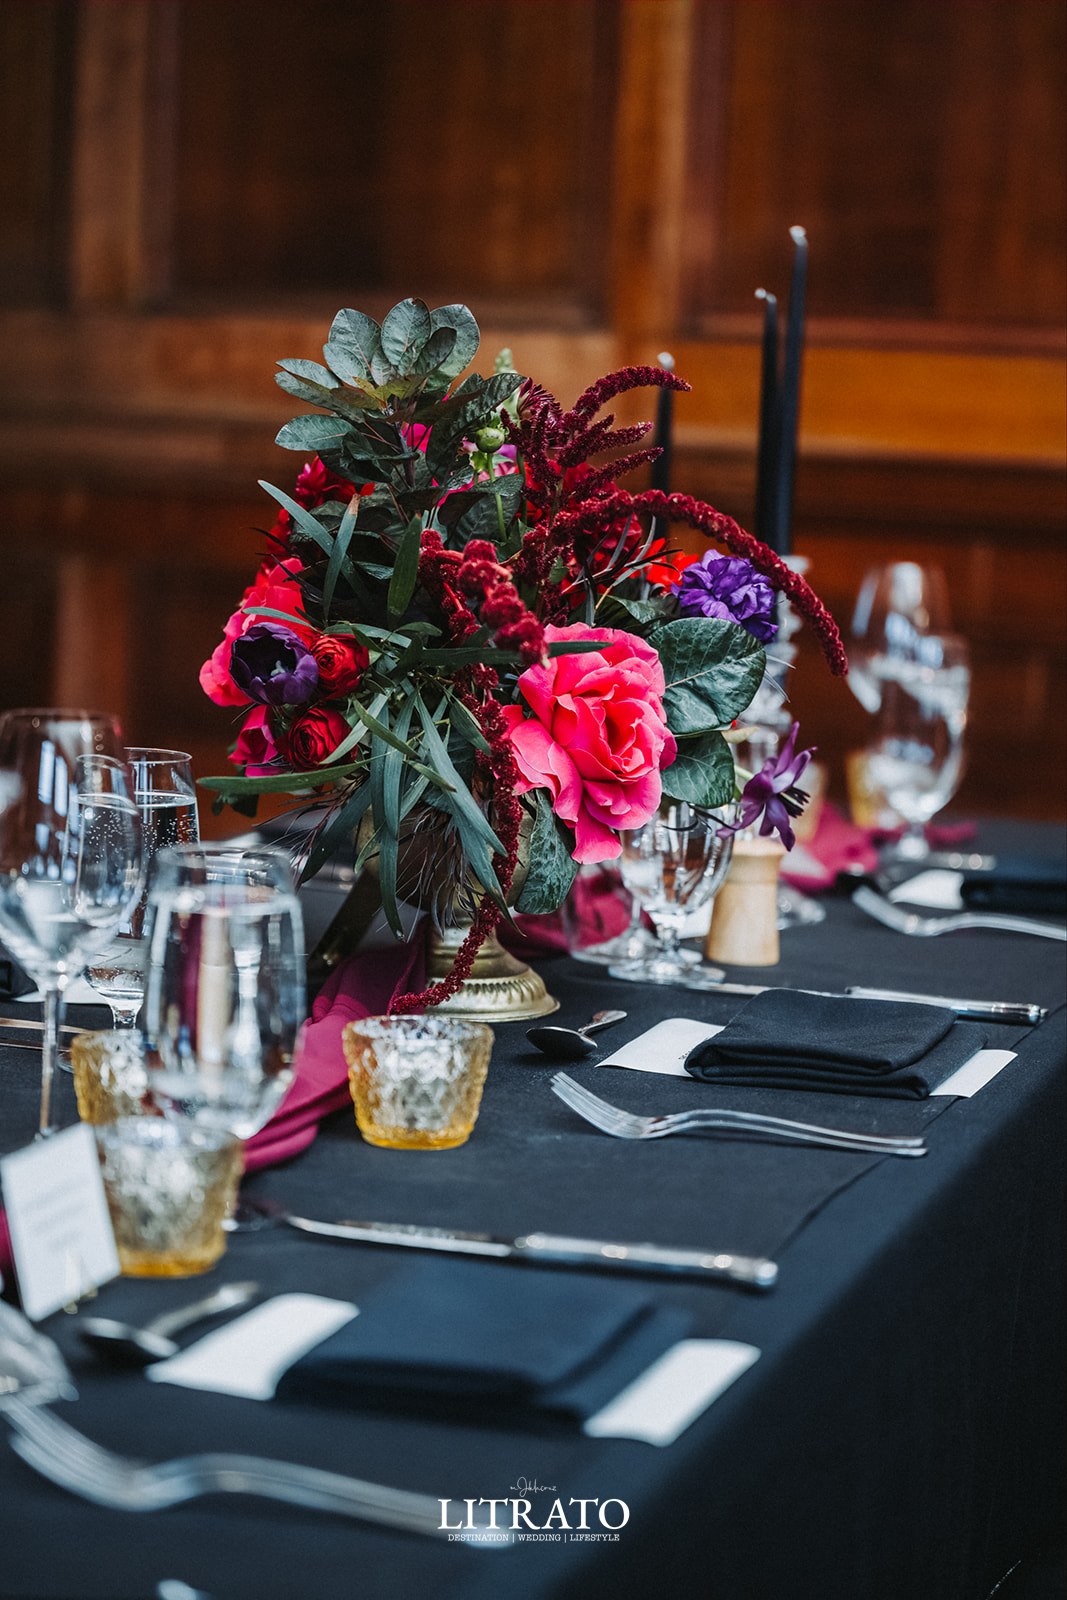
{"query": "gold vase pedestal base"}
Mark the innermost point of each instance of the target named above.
(500, 987)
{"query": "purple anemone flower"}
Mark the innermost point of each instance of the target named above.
(731, 588)
(272, 666)
(772, 794)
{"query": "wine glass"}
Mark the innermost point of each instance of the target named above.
(916, 756)
(70, 854)
(672, 866)
(897, 604)
(225, 991)
(166, 796)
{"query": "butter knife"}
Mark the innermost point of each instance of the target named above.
(548, 1249)
(972, 1010)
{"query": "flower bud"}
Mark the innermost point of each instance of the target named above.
(489, 439)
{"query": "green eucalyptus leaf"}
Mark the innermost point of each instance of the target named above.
(619, 611)
(406, 568)
(477, 406)
(468, 337)
(702, 772)
(300, 514)
(339, 553)
(552, 867)
(405, 330)
(353, 344)
(476, 836)
(435, 352)
(344, 821)
(712, 669)
(314, 434)
(481, 520)
(278, 783)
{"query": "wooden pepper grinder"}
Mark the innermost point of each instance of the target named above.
(744, 918)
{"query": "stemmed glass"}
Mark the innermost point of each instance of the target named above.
(916, 756)
(897, 604)
(166, 797)
(225, 993)
(672, 866)
(70, 853)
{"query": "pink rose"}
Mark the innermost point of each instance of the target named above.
(597, 738)
(273, 586)
(256, 749)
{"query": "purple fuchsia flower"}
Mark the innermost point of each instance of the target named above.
(772, 793)
(731, 588)
(272, 667)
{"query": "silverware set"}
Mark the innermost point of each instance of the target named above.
(626, 1125)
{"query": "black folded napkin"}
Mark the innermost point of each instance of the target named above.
(13, 981)
(1023, 884)
(789, 1039)
(487, 1340)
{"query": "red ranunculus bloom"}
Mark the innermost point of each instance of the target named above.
(257, 749)
(341, 661)
(314, 736)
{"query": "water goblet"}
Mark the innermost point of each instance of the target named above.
(225, 991)
(673, 866)
(166, 796)
(916, 756)
(897, 604)
(70, 854)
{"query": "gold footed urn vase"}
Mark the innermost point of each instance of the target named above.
(500, 988)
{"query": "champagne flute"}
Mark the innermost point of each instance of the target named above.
(917, 755)
(225, 991)
(673, 866)
(70, 854)
(166, 796)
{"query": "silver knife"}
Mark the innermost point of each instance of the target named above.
(547, 1249)
(972, 1010)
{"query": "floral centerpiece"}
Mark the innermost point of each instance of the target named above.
(466, 635)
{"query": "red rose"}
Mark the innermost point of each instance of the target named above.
(314, 736)
(342, 662)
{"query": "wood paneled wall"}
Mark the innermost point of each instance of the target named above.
(190, 190)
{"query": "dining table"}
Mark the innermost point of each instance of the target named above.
(899, 1433)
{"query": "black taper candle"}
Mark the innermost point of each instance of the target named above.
(794, 348)
(769, 424)
(663, 433)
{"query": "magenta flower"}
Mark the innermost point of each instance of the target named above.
(772, 794)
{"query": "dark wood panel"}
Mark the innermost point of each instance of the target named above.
(355, 145)
(922, 146)
(36, 56)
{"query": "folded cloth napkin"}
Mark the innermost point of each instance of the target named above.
(789, 1039)
(362, 986)
(1018, 883)
(484, 1340)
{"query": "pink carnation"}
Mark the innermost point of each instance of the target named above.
(274, 587)
(598, 736)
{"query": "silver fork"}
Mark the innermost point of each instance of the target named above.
(627, 1125)
(893, 916)
(66, 1457)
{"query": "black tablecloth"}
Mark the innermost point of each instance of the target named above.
(900, 1435)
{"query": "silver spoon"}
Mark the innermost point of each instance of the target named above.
(569, 1044)
(138, 1347)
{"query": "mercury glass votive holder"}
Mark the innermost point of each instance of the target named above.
(417, 1082)
(169, 1187)
(110, 1076)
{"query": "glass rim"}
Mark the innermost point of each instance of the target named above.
(163, 1131)
(384, 1026)
(150, 755)
(62, 714)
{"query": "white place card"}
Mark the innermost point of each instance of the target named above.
(249, 1355)
(61, 1234)
(663, 1049)
(673, 1392)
